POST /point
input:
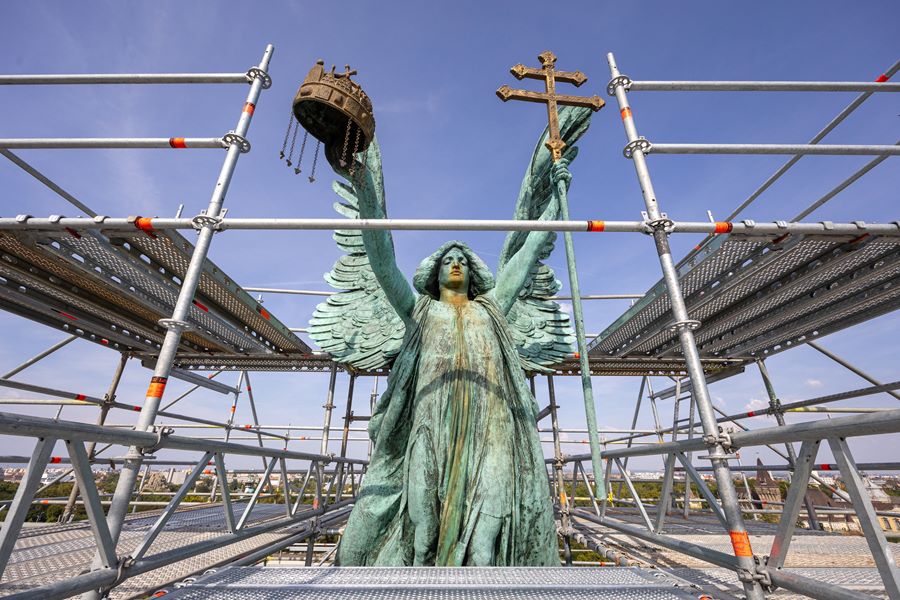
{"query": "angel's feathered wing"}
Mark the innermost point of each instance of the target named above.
(541, 330)
(357, 325)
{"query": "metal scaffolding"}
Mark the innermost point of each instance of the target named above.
(749, 291)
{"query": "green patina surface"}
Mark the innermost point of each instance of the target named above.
(457, 474)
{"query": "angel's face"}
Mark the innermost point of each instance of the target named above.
(454, 273)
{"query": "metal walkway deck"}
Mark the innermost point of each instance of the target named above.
(114, 289)
(436, 583)
(48, 553)
(844, 560)
(758, 295)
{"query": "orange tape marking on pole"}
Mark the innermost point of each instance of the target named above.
(625, 112)
(177, 142)
(157, 387)
(740, 541)
(563, 499)
(145, 224)
(724, 227)
(596, 225)
(249, 107)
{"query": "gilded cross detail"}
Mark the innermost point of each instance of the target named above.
(550, 75)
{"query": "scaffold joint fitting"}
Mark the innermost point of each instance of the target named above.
(233, 139)
(691, 324)
(203, 220)
(175, 324)
(623, 80)
(642, 144)
(257, 73)
(664, 223)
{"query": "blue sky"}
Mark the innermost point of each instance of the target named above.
(451, 149)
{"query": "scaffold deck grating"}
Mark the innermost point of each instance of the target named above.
(113, 290)
(758, 295)
(435, 583)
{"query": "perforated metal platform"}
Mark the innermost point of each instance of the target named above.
(113, 289)
(758, 295)
(47, 553)
(433, 583)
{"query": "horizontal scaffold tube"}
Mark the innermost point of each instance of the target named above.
(111, 143)
(763, 86)
(150, 224)
(23, 425)
(116, 78)
(830, 150)
(843, 427)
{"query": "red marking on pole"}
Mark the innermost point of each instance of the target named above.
(596, 225)
(145, 224)
(201, 306)
(80, 396)
(67, 315)
(249, 107)
(263, 312)
(176, 142)
(780, 239)
(159, 594)
(45, 502)
(824, 467)
(247, 426)
(881, 78)
(626, 113)
(104, 341)
(209, 463)
(751, 414)
(740, 541)
(697, 247)
(157, 387)
(232, 409)
(207, 471)
(724, 227)
(858, 239)
(73, 233)
(248, 387)
(55, 460)
(136, 408)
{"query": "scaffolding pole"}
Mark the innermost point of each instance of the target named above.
(178, 322)
(716, 444)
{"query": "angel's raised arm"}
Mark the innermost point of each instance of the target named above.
(368, 188)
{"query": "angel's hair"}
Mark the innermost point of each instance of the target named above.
(481, 280)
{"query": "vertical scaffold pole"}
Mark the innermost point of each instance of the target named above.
(560, 481)
(775, 405)
(178, 323)
(345, 437)
(716, 443)
(108, 399)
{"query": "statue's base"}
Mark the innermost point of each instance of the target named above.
(435, 583)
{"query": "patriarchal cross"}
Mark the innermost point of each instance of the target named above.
(550, 75)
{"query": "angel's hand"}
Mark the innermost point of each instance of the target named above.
(560, 172)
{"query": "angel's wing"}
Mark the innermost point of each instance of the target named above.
(541, 330)
(357, 325)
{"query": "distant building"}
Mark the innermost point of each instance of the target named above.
(766, 489)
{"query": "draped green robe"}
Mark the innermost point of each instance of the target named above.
(458, 387)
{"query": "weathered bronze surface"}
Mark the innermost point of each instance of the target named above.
(550, 75)
(336, 111)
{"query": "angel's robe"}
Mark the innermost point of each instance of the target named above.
(457, 396)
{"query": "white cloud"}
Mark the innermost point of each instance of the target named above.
(814, 383)
(756, 404)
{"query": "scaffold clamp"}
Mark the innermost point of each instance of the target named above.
(663, 223)
(691, 324)
(161, 434)
(257, 73)
(623, 80)
(642, 143)
(175, 324)
(203, 220)
(233, 139)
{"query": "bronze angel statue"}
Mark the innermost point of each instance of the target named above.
(457, 474)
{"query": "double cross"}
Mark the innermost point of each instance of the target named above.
(550, 75)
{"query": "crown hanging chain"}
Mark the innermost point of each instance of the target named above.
(287, 134)
(355, 150)
(312, 175)
(300, 156)
(346, 143)
(293, 141)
